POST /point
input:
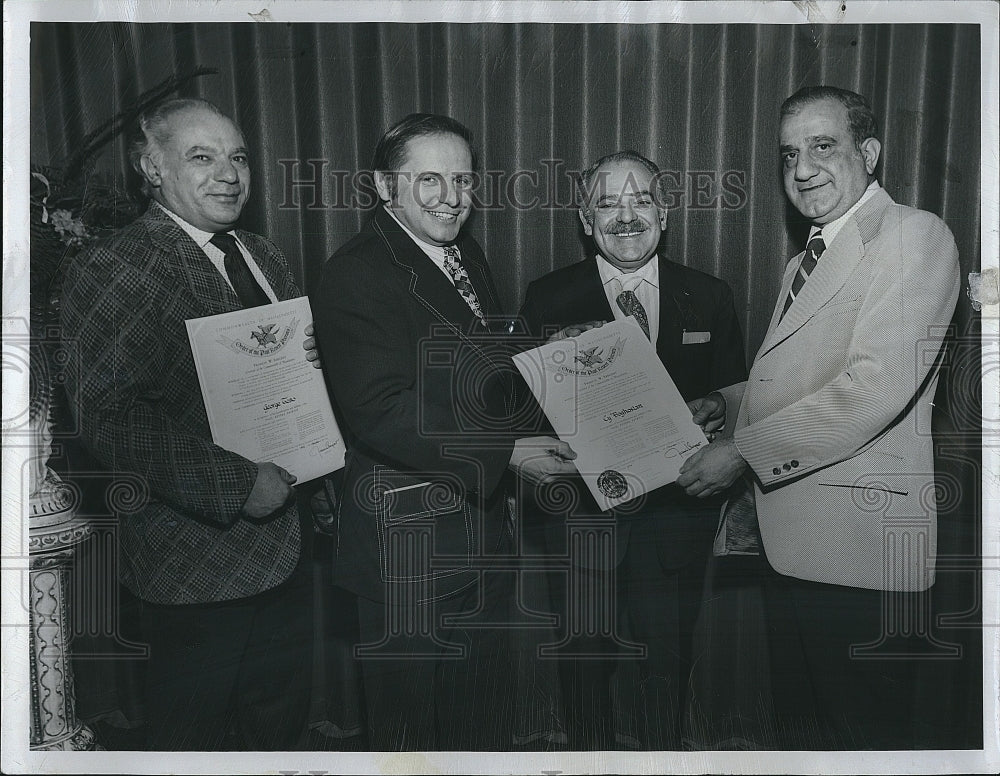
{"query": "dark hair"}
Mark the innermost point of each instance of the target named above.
(588, 175)
(151, 129)
(390, 152)
(860, 116)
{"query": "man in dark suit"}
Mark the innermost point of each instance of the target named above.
(407, 321)
(828, 432)
(213, 547)
(662, 543)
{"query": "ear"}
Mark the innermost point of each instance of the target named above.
(151, 169)
(382, 186)
(870, 149)
(662, 212)
(588, 227)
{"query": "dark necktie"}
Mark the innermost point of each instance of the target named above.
(453, 264)
(247, 289)
(630, 305)
(814, 249)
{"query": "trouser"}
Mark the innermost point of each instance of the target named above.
(624, 679)
(430, 684)
(841, 679)
(231, 675)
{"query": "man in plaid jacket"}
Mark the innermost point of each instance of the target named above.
(214, 550)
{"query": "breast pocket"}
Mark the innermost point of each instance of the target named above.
(837, 308)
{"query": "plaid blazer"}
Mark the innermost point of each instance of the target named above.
(135, 391)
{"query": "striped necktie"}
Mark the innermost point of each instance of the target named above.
(814, 249)
(630, 305)
(453, 264)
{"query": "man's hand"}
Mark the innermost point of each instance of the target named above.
(575, 330)
(712, 469)
(709, 412)
(271, 491)
(536, 459)
(309, 345)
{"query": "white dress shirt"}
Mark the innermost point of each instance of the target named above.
(218, 257)
(434, 252)
(643, 282)
(830, 230)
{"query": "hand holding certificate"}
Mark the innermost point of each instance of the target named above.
(609, 397)
(264, 400)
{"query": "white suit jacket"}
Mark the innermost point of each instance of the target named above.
(834, 419)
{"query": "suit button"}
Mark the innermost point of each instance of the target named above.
(786, 467)
(777, 470)
(795, 464)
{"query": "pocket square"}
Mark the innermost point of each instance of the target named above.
(696, 337)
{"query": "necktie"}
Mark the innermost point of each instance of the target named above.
(814, 250)
(247, 289)
(463, 285)
(630, 305)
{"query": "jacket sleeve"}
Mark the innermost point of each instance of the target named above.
(910, 301)
(729, 360)
(118, 381)
(400, 407)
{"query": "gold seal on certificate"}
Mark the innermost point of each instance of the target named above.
(264, 400)
(609, 397)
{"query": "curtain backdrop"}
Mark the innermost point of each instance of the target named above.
(543, 100)
(701, 100)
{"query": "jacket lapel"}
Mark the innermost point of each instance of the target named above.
(270, 263)
(837, 264)
(209, 289)
(594, 302)
(678, 313)
(428, 285)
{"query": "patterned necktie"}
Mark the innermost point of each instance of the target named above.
(814, 250)
(247, 289)
(629, 304)
(463, 285)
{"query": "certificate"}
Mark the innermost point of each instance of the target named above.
(264, 400)
(610, 398)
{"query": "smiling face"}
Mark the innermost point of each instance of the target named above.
(200, 170)
(433, 196)
(623, 216)
(825, 173)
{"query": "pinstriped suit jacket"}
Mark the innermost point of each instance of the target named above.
(834, 418)
(135, 391)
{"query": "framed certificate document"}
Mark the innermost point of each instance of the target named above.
(608, 396)
(264, 400)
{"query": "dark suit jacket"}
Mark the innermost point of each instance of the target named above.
(133, 386)
(690, 301)
(424, 395)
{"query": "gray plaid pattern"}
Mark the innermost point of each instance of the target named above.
(141, 411)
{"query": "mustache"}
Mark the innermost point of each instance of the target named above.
(619, 227)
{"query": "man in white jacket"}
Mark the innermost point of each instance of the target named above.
(827, 436)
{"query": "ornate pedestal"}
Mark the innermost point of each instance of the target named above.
(54, 530)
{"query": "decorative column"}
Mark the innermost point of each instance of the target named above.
(54, 532)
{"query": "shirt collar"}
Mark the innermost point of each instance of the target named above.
(200, 236)
(434, 252)
(649, 272)
(830, 230)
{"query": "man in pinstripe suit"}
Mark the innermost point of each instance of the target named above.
(828, 433)
(215, 553)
